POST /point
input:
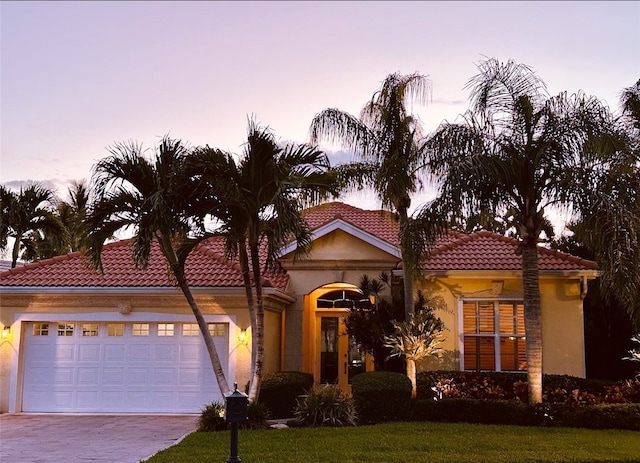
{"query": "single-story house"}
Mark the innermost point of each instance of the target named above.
(126, 341)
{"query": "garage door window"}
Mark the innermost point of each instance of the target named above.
(216, 329)
(65, 329)
(89, 329)
(190, 329)
(115, 329)
(165, 329)
(41, 329)
(141, 329)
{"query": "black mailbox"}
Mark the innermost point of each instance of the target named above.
(237, 404)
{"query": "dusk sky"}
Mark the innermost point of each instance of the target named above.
(79, 76)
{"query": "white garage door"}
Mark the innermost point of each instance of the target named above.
(89, 367)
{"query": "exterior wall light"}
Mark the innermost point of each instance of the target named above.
(5, 331)
(243, 337)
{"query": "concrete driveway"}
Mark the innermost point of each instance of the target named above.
(89, 438)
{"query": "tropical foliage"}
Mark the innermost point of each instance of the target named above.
(28, 217)
(155, 198)
(519, 149)
(417, 338)
(386, 137)
(262, 195)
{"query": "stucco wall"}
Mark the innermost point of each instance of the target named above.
(335, 258)
(562, 317)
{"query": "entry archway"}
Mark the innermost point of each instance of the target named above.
(337, 358)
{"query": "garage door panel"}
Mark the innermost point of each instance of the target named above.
(88, 376)
(102, 372)
(114, 353)
(65, 352)
(140, 353)
(89, 353)
(165, 353)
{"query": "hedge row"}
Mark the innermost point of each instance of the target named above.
(603, 416)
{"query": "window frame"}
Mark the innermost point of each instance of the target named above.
(496, 335)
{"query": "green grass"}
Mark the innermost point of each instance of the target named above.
(411, 443)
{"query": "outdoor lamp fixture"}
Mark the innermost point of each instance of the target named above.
(242, 336)
(5, 331)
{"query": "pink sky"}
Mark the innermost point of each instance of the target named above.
(80, 76)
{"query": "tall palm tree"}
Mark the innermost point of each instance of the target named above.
(263, 195)
(71, 213)
(27, 216)
(517, 148)
(386, 137)
(157, 199)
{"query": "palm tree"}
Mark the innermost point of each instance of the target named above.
(156, 198)
(386, 137)
(27, 217)
(71, 213)
(517, 148)
(263, 195)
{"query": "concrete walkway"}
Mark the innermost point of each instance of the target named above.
(82, 438)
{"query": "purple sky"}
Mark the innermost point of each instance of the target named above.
(80, 76)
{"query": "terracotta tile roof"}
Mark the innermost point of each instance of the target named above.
(490, 251)
(206, 267)
(379, 223)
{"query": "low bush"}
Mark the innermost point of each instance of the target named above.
(460, 410)
(212, 418)
(325, 405)
(603, 416)
(279, 391)
(381, 396)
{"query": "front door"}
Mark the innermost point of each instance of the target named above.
(340, 357)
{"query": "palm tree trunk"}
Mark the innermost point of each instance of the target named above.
(411, 374)
(178, 272)
(532, 320)
(16, 250)
(244, 267)
(407, 284)
(258, 335)
(204, 329)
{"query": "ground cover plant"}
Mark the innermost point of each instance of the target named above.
(412, 442)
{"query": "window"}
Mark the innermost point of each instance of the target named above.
(190, 329)
(115, 329)
(140, 329)
(65, 329)
(41, 329)
(89, 329)
(165, 329)
(216, 329)
(494, 337)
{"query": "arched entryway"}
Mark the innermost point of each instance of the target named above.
(336, 356)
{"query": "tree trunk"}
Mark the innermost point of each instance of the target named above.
(178, 272)
(258, 336)
(411, 374)
(248, 288)
(16, 250)
(407, 274)
(204, 329)
(532, 320)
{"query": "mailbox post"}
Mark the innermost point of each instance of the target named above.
(236, 411)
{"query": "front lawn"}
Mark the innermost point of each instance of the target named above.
(413, 442)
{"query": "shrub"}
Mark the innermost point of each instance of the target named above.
(279, 391)
(212, 418)
(625, 392)
(258, 415)
(474, 411)
(381, 396)
(326, 405)
(603, 416)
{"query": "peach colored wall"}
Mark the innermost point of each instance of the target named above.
(562, 318)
